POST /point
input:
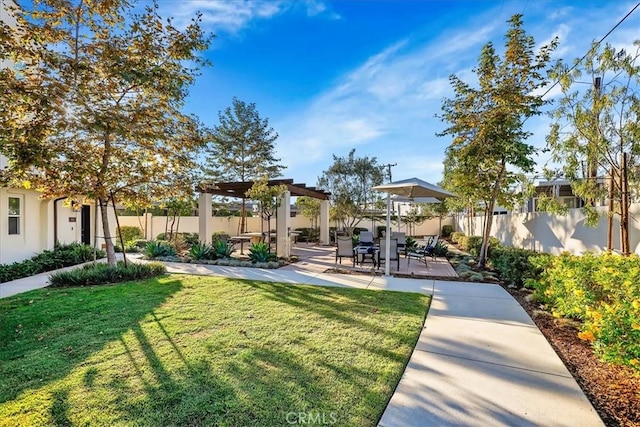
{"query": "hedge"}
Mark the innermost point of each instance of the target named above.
(604, 292)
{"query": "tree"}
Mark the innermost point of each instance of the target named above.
(269, 197)
(309, 207)
(488, 155)
(93, 102)
(242, 148)
(596, 128)
(349, 179)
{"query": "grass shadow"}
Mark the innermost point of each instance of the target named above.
(45, 333)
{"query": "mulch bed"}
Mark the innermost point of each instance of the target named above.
(614, 390)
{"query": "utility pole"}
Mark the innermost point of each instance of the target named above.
(389, 166)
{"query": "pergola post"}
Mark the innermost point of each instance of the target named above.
(205, 211)
(282, 226)
(325, 239)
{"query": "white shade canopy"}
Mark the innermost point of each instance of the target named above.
(414, 187)
(411, 188)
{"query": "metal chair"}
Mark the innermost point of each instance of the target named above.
(393, 252)
(344, 248)
(421, 253)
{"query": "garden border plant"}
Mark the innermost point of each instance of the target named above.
(61, 256)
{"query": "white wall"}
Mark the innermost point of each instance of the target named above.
(557, 233)
(155, 225)
(17, 247)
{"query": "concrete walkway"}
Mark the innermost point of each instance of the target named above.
(479, 361)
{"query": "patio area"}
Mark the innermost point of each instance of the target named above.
(319, 258)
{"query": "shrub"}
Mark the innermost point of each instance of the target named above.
(129, 233)
(447, 230)
(101, 273)
(60, 256)
(411, 243)
(201, 251)
(187, 239)
(472, 244)
(456, 236)
(602, 290)
(440, 249)
(259, 252)
(308, 234)
(514, 265)
(155, 249)
(137, 245)
(222, 249)
(220, 235)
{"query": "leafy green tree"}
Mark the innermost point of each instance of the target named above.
(269, 197)
(488, 155)
(242, 148)
(309, 207)
(596, 127)
(93, 102)
(349, 179)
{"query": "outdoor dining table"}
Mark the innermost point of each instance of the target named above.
(241, 240)
(366, 251)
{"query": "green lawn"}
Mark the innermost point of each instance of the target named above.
(195, 351)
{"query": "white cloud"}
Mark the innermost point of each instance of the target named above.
(232, 16)
(386, 106)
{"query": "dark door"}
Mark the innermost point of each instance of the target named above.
(85, 224)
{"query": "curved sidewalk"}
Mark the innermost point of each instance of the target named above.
(479, 361)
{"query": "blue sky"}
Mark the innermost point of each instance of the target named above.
(336, 75)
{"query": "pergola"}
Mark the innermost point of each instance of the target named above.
(238, 190)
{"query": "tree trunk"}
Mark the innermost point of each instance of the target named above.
(610, 214)
(624, 207)
(111, 253)
(486, 233)
(243, 221)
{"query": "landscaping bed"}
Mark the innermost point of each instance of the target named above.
(192, 350)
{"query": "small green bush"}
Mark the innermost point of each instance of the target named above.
(222, 249)
(440, 249)
(60, 256)
(102, 273)
(473, 244)
(447, 230)
(514, 265)
(188, 239)
(259, 252)
(456, 236)
(220, 235)
(470, 244)
(129, 233)
(308, 234)
(157, 249)
(201, 251)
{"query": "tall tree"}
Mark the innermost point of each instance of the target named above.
(488, 154)
(269, 197)
(596, 128)
(94, 102)
(349, 179)
(242, 148)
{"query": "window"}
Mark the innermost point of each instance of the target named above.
(14, 215)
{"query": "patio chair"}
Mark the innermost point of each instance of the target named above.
(366, 238)
(344, 248)
(393, 252)
(422, 253)
(402, 241)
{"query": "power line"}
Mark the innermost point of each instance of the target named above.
(597, 44)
